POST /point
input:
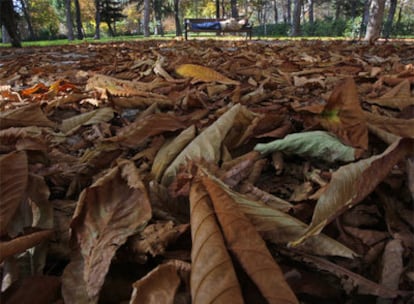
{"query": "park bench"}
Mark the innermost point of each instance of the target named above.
(189, 21)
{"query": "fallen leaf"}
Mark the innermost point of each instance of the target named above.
(248, 247)
(22, 243)
(70, 125)
(113, 208)
(213, 278)
(13, 185)
(204, 74)
(30, 115)
(207, 145)
(344, 117)
(158, 286)
(170, 150)
(317, 144)
(350, 184)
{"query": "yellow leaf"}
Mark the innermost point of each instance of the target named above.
(205, 74)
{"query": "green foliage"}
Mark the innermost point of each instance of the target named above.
(324, 28)
(274, 30)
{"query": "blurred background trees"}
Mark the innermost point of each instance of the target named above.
(75, 19)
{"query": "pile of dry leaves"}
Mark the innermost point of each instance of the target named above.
(209, 171)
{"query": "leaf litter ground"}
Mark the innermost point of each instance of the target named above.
(201, 171)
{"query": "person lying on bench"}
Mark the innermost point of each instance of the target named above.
(226, 25)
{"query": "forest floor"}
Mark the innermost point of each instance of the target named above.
(165, 171)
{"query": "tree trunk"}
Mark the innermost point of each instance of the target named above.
(365, 17)
(69, 23)
(390, 18)
(234, 11)
(287, 16)
(146, 18)
(296, 18)
(78, 20)
(311, 17)
(28, 20)
(376, 14)
(275, 12)
(338, 9)
(110, 30)
(97, 19)
(158, 17)
(178, 31)
(217, 9)
(7, 17)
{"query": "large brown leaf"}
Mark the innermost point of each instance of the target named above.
(158, 286)
(13, 185)
(109, 211)
(396, 126)
(280, 228)
(133, 135)
(213, 278)
(207, 145)
(352, 183)
(343, 115)
(248, 247)
(26, 116)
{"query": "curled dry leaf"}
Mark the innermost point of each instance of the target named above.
(170, 150)
(213, 278)
(318, 144)
(350, 184)
(30, 115)
(158, 286)
(392, 264)
(248, 247)
(344, 117)
(207, 145)
(280, 228)
(201, 73)
(89, 118)
(22, 243)
(133, 135)
(13, 185)
(395, 126)
(108, 212)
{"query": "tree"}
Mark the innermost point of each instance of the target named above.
(97, 19)
(146, 18)
(390, 18)
(178, 31)
(28, 19)
(69, 22)
(296, 18)
(311, 17)
(234, 10)
(78, 20)
(8, 19)
(110, 13)
(376, 14)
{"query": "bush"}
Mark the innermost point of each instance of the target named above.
(274, 30)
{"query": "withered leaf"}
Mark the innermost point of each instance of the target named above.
(395, 126)
(30, 115)
(89, 118)
(13, 185)
(109, 211)
(207, 145)
(344, 117)
(248, 247)
(279, 227)
(202, 73)
(170, 150)
(213, 278)
(22, 243)
(318, 144)
(133, 135)
(350, 184)
(158, 286)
